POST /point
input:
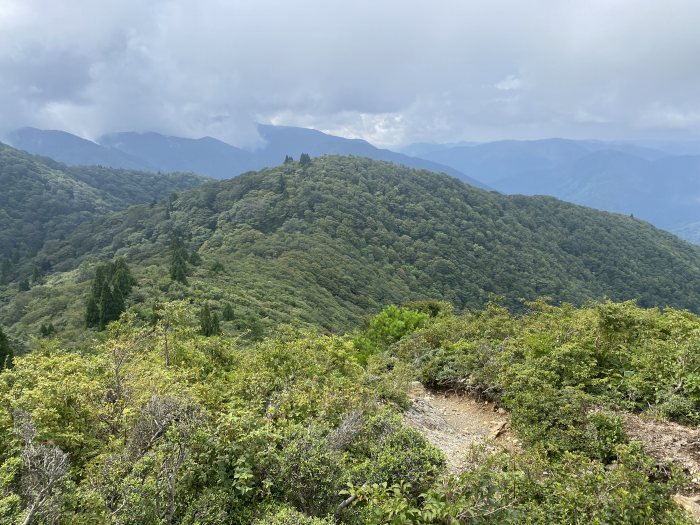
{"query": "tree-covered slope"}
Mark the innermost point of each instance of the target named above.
(42, 199)
(659, 187)
(325, 244)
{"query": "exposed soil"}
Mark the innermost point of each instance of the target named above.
(671, 442)
(453, 423)
(666, 441)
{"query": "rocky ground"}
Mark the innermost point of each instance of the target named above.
(454, 423)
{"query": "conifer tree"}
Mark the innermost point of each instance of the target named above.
(178, 260)
(122, 278)
(208, 322)
(304, 160)
(195, 258)
(111, 286)
(288, 159)
(92, 312)
(228, 313)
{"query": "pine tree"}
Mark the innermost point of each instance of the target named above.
(6, 353)
(107, 306)
(23, 285)
(304, 160)
(288, 159)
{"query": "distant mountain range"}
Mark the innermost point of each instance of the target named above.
(658, 181)
(206, 156)
(653, 184)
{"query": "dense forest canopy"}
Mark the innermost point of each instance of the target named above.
(42, 199)
(327, 243)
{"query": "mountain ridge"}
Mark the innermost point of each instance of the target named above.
(325, 244)
(207, 155)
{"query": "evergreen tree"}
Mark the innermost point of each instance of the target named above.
(122, 278)
(47, 330)
(6, 267)
(288, 159)
(92, 312)
(228, 313)
(178, 260)
(23, 285)
(111, 286)
(304, 160)
(108, 307)
(208, 322)
(6, 353)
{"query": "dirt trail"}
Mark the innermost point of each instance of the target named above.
(671, 442)
(666, 441)
(453, 423)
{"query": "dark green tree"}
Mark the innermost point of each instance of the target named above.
(110, 306)
(178, 260)
(208, 322)
(228, 313)
(47, 329)
(111, 286)
(23, 285)
(288, 159)
(92, 312)
(122, 279)
(304, 160)
(6, 353)
(195, 258)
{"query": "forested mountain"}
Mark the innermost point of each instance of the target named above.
(42, 199)
(651, 184)
(219, 396)
(325, 243)
(209, 156)
(280, 140)
(71, 149)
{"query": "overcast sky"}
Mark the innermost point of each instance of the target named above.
(390, 71)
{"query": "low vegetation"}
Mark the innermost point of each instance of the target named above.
(160, 423)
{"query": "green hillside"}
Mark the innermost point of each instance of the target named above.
(42, 199)
(329, 243)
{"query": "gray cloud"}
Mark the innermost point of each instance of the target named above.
(391, 71)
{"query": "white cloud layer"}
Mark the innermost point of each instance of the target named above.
(390, 71)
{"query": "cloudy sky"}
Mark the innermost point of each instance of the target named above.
(390, 71)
